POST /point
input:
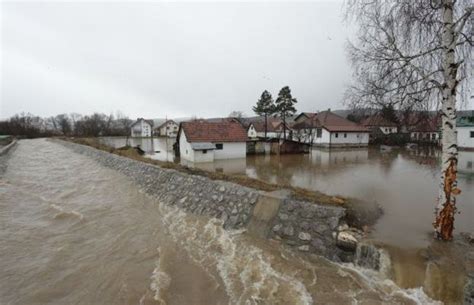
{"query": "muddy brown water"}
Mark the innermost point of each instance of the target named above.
(403, 182)
(74, 232)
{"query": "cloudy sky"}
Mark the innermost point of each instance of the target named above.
(170, 59)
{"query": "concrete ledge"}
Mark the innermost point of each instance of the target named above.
(5, 149)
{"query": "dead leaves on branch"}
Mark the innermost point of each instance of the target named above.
(444, 223)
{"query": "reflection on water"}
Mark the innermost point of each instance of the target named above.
(157, 148)
(75, 232)
(403, 181)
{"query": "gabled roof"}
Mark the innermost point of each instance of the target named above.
(150, 122)
(204, 131)
(166, 122)
(273, 125)
(423, 122)
(377, 120)
(331, 122)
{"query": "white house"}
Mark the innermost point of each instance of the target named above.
(168, 129)
(426, 129)
(141, 128)
(204, 141)
(251, 131)
(465, 132)
(328, 129)
(378, 124)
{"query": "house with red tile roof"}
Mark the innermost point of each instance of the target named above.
(328, 129)
(205, 141)
(378, 124)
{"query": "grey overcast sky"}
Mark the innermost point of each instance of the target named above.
(170, 59)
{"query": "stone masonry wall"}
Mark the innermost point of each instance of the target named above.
(304, 225)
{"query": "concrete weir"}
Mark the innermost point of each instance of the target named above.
(306, 226)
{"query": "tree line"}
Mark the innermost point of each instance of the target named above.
(73, 124)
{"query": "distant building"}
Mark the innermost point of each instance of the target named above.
(328, 129)
(251, 131)
(168, 129)
(378, 124)
(141, 128)
(465, 131)
(204, 141)
(425, 128)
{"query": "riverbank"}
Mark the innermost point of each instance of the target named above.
(428, 268)
(76, 230)
(360, 214)
(305, 225)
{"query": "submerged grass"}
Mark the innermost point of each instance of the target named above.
(298, 193)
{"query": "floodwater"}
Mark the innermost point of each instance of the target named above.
(160, 148)
(74, 232)
(403, 182)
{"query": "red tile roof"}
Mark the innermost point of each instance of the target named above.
(378, 121)
(331, 122)
(204, 131)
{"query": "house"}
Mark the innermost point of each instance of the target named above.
(274, 128)
(465, 131)
(169, 129)
(377, 124)
(251, 131)
(328, 129)
(204, 141)
(141, 128)
(425, 128)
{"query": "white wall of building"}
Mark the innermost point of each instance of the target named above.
(141, 129)
(466, 162)
(170, 129)
(185, 150)
(388, 129)
(425, 136)
(270, 135)
(464, 137)
(231, 150)
(324, 139)
(251, 132)
(349, 138)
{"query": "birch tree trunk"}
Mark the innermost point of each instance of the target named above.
(446, 209)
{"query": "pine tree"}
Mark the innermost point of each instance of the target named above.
(285, 106)
(265, 107)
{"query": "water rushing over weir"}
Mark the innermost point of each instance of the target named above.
(73, 232)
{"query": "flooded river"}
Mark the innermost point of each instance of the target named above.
(74, 232)
(403, 182)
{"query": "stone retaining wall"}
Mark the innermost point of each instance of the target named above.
(304, 225)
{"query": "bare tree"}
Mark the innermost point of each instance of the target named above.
(413, 54)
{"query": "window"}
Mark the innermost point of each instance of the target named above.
(219, 146)
(186, 151)
(433, 136)
(319, 133)
(204, 151)
(386, 129)
(472, 134)
(337, 135)
(345, 135)
(469, 164)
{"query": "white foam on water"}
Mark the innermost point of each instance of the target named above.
(160, 281)
(245, 270)
(379, 281)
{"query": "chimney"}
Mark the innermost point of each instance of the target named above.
(329, 109)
